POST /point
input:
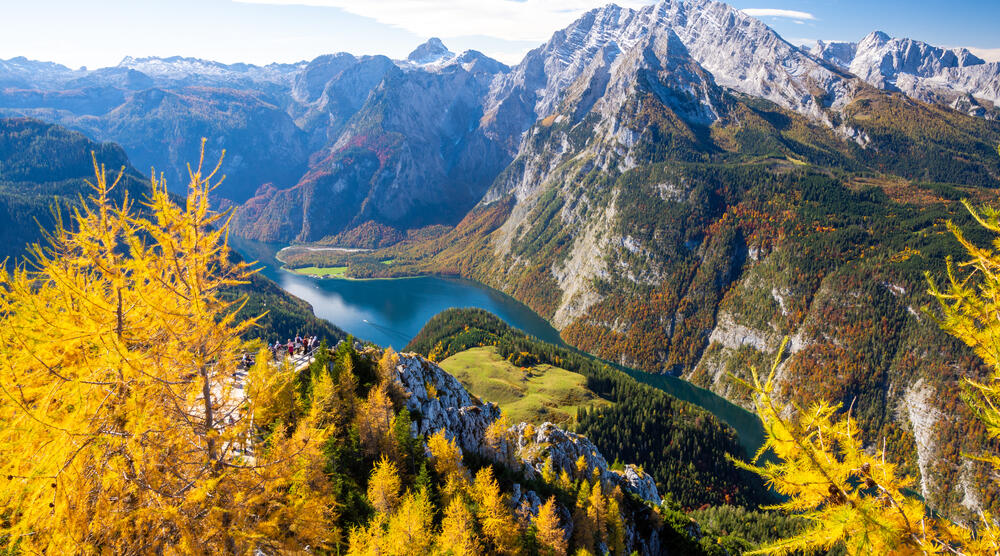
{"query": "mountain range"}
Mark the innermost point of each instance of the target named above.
(675, 188)
(685, 189)
(397, 145)
(954, 77)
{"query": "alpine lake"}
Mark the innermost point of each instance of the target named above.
(391, 311)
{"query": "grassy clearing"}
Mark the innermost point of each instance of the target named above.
(323, 272)
(536, 394)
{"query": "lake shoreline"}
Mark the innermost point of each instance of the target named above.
(355, 279)
(392, 310)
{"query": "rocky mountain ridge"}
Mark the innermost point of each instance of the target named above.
(314, 115)
(954, 77)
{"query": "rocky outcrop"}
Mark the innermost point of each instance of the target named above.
(538, 445)
(923, 416)
(438, 401)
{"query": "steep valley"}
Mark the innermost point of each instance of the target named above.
(676, 189)
(668, 223)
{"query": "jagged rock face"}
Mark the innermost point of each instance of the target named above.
(310, 83)
(953, 77)
(431, 51)
(600, 81)
(739, 52)
(879, 56)
(840, 54)
(743, 53)
(439, 401)
(331, 90)
(565, 448)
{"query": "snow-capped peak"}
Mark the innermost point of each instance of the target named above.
(431, 52)
(179, 68)
(878, 54)
(952, 76)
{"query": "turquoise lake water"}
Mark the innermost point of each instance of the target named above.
(390, 312)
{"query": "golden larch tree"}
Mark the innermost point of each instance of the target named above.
(458, 531)
(122, 427)
(374, 421)
(384, 486)
(446, 458)
(499, 527)
(410, 528)
(548, 531)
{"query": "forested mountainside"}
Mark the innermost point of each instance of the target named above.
(44, 170)
(663, 216)
(682, 446)
(130, 368)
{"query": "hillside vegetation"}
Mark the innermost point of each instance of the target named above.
(44, 170)
(697, 262)
(682, 446)
(530, 393)
(141, 431)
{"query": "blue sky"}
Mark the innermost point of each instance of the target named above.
(100, 33)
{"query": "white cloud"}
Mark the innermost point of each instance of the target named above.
(774, 12)
(515, 20)
(988, 54)
(509, 57)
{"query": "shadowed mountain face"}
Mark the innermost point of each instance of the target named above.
(159, 109)
(44, 170)
(411, 154)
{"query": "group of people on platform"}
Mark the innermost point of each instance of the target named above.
(298, 345)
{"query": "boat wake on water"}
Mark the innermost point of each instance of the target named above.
(390, 331)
